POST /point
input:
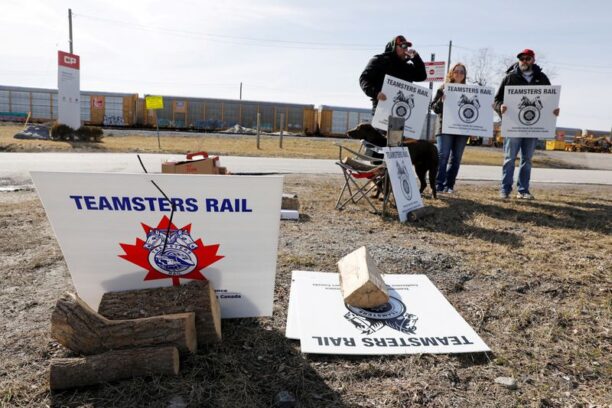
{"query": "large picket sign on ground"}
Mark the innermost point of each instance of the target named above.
(417, 319)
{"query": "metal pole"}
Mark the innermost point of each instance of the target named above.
(450, 47)
(258, 127)
(427, 135)
(241, 91)
(282, 126)
(70, 28)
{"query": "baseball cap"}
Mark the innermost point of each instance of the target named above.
(400, 39)
(526, 52)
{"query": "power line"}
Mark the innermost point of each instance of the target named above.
(263, 42)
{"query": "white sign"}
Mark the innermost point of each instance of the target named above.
(436, 71)
(530, 111)
(68, 90)
(405, 100)
(417, 319)
(403, 181)
(468, 110)
(115, 233)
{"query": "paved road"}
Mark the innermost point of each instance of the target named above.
(15, 167)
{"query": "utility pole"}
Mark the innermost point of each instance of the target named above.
(450, 47)
(70, 29)
(241, 91)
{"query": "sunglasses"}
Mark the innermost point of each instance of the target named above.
(459, 71)
(404, 46)
(525, 59)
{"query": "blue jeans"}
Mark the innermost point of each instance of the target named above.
(449, 146)
(512, 145)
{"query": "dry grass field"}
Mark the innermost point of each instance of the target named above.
(532, 278)
(175, 142)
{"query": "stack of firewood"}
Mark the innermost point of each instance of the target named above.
(134, 333)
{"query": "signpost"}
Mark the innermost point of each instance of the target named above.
(436, 71)
(155, 103)
(68, 90)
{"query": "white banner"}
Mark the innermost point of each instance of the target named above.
(403, 181)
(68, 90)
(468, 110)
(417, 319)
(530, 111)
(115, 233)
(405, 100)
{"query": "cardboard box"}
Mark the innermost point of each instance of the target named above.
(206, 165)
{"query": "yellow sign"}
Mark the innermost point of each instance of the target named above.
(154, 102)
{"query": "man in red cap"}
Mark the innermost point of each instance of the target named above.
(524, 72)
(399, 60)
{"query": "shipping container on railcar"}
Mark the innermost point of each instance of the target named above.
(208, 114)
(97, 108)
(337, 120)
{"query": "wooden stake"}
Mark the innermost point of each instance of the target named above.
(84, 331)
(114, 365)
(361, 282)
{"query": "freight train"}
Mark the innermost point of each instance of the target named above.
(112, 109)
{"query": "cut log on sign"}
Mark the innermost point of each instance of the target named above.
(113, 365)
(196, 296)
(75, 325)
(361, 282)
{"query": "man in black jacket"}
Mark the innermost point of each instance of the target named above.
(523, 72)
(398, 60)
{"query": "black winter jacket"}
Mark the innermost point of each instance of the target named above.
(388, 63)
(515, 78)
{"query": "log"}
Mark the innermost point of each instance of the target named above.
(75, 325)
(361, 282)
(420, 213)
(290, 202)
(113, 365)
(196, 296)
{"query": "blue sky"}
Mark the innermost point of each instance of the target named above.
(302, 51)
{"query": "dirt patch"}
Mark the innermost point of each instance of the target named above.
(532, 278)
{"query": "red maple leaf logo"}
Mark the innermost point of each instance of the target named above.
(170, 253)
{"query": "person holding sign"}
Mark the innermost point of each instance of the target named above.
(449, 145)
(524, 72)
(399, 60)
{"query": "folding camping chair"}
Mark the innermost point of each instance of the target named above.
(362, 175)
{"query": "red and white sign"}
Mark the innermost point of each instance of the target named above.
(68, 60)
(68, 90)
(436, 71)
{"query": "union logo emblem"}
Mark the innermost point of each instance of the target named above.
(168, 252)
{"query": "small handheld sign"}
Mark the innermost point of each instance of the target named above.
(153, 102)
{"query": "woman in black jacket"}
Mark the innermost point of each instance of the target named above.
(449, 145)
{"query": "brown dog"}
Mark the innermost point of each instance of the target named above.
(424, 156)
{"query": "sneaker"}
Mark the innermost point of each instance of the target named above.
(449, 190)
(504, 195)
(525, 196)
